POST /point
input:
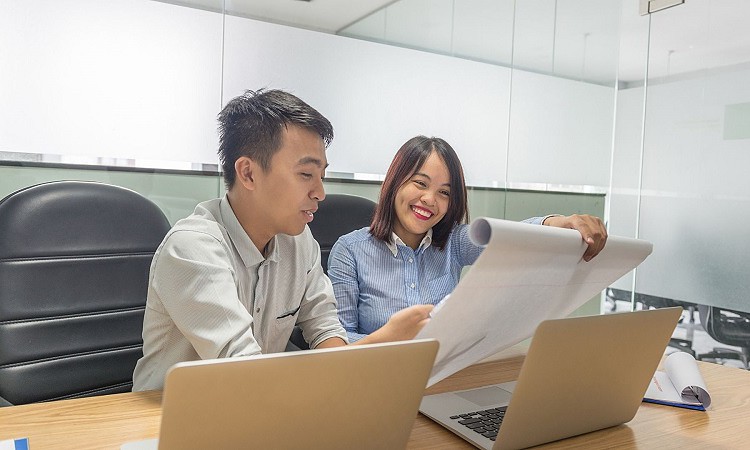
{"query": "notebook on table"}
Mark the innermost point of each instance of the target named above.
(580, 375)
(363, 396)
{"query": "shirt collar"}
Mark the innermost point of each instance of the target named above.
(241, 241)
(396, 241)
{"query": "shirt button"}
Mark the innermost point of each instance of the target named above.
(257, 310)
(411, 260)
(412, 285)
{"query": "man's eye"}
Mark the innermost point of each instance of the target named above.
(306, 175)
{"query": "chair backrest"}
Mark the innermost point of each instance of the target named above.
(74, 262)
(726, 326)
(337, 215)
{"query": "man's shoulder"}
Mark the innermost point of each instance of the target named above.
(196, 226)
(200, 225)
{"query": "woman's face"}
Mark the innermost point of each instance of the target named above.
(422, 201)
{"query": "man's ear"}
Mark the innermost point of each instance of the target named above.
(245, 170)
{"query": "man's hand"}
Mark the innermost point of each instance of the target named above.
(591, 228)
(402, 326)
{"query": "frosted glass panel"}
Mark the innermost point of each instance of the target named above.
(121, 79)
(696, 193)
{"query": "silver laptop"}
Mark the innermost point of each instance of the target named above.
(580, 375)
(363, 396)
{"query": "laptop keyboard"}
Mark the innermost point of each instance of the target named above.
(486, 422)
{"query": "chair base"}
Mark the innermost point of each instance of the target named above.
(684, 345)
(721, 353)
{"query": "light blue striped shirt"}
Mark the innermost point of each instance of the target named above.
(372, 280)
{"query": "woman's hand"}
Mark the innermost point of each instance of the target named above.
(591, 228)
(402, 326)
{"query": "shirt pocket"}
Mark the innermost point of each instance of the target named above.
(288, 314)
(438, 288)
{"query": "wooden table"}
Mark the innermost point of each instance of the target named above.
(110, 420)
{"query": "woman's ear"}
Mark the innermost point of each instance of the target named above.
(245, 170)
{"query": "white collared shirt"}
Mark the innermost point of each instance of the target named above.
(212, 294)
(396, 241)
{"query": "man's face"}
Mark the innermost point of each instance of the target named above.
(289, 192)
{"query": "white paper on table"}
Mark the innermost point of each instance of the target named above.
(526, 274)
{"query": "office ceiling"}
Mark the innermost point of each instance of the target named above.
(690, 38)
(321, 15)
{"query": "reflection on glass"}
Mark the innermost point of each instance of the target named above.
(574, 39)
(562, 96)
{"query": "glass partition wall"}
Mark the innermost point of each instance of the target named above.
(682, 137)
(650, 110)
(547, 111)
(681, 148)
(567, 106)
(695, 192)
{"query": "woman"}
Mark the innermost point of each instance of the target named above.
(418, 241)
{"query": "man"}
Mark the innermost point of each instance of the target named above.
(236, 276)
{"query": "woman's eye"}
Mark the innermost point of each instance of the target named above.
(445, 193)
(420, 183)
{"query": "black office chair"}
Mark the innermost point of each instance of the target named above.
(729, 328)
(74, 263)
(337, 215)
(651, 301)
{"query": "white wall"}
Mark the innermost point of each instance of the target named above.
(138, 79)
(117, 79)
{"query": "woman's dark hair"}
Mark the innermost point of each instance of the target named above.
(251, 125)
(408, 160)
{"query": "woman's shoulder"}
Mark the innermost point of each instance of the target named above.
(459, 240)
(362, 234)
(460, 231)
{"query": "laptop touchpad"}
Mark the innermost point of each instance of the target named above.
(484, 397)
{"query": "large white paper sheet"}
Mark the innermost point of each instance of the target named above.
(526, 274)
